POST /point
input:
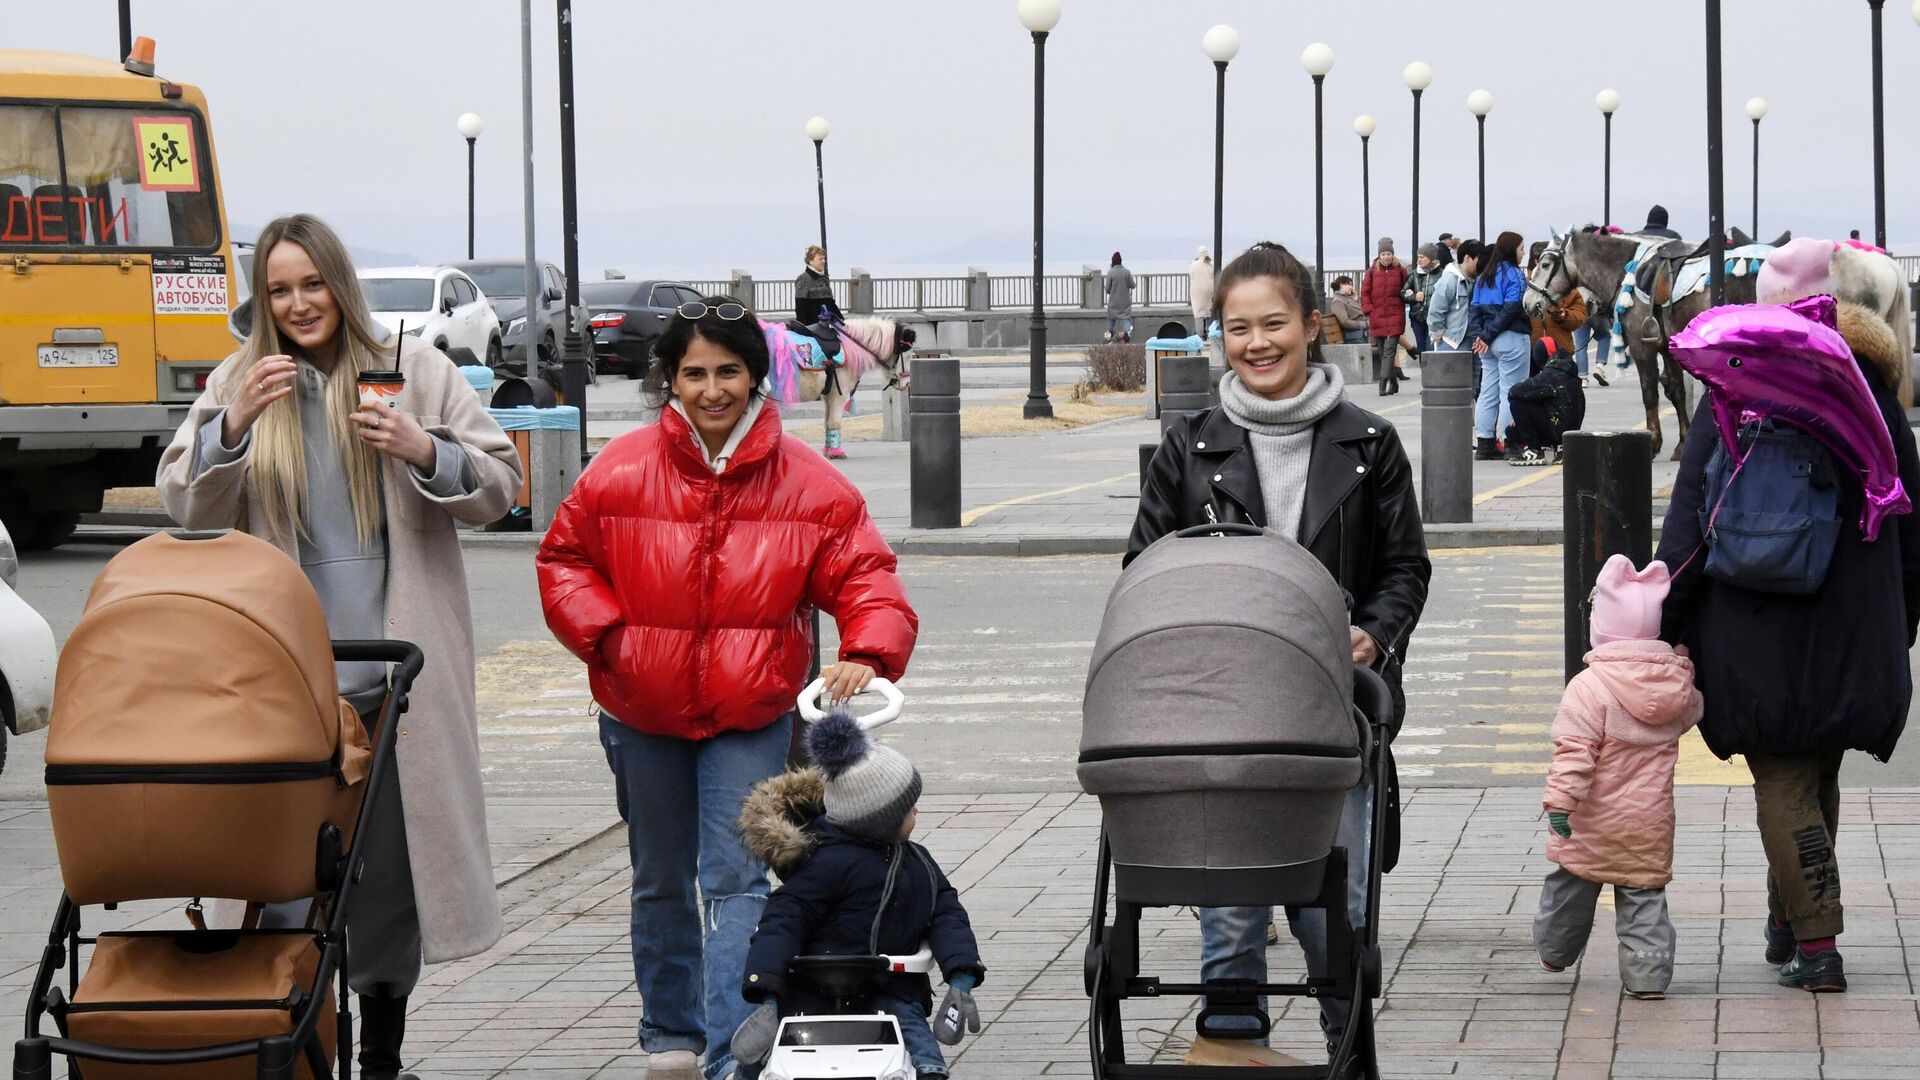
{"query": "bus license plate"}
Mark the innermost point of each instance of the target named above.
(79, 356)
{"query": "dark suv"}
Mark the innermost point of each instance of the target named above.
(627, 317)
(504, 283)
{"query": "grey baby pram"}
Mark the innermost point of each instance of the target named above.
(1224, 724)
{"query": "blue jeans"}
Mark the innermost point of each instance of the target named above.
(915, 1032)
(1233, 941)
(680, 799)
(1603, 344)
(1503, 366)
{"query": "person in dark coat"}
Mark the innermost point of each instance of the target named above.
(813, 293)
(1794, 682)
(1545, 407)
(853, 883)
(1657, 223)
(1287, 452)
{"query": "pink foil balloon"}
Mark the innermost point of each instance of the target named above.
(1787, 362)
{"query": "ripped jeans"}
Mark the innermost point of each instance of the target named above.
(680, 799)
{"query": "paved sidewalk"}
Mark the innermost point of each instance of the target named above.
(1464, 994)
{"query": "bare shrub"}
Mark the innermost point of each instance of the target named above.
(1120, 368)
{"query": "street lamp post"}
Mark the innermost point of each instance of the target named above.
(1480, 102)
(1879, 133)
(126, 28)
(1716, 169)
(1039, 17)
(1757, 111)
(1221, 43)
(469, 125)
(1418, 77)
(817, 131)
(1363, 127)
(573, 346)
(1607, 101)
(1318, 60)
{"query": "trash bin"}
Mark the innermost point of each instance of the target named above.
(549, 444)
(1157, 348)
(480, 378)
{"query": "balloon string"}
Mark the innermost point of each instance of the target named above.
(1715, 516)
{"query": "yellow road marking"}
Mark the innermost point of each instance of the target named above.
(1698, 766)
(976, 514)
(1525, 481)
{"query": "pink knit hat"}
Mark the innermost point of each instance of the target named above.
(1626, 602)
(1794, 270)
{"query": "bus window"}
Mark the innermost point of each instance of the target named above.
(132, 178)
(29, 163)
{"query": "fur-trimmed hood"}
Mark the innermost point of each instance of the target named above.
(774, 819)
(1874, 344)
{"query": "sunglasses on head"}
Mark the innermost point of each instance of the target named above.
(730, 311)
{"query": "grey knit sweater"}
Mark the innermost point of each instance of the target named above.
(1280, 434)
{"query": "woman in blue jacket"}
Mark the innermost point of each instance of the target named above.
(1497, 331)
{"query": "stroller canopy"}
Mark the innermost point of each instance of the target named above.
(1218, 726)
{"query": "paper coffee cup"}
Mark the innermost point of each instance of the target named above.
(383, 386)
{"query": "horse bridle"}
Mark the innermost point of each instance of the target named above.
(1557, 252)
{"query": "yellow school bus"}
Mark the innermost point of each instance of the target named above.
(114, 279)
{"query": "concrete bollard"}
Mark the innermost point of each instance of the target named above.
(934, 454)
(553, 464)
(894, 415)
(1608, 509)
(1184, 387)
(1446, 437)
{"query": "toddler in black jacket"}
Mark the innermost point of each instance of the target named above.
(853, 883)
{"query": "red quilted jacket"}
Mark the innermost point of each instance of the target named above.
(689, 594)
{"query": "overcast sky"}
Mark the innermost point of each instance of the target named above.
(693, 156)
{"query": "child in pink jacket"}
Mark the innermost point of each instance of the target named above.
(1609, 796)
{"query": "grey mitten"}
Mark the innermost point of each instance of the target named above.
(957, 1011)
(753, 1039)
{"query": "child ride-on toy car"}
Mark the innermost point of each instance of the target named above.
(848, 1041)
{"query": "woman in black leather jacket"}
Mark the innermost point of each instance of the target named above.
(1286, 451)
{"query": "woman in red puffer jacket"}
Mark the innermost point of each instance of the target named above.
(683, 569)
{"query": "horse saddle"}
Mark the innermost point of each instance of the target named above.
(1655, 275)
(828, 354)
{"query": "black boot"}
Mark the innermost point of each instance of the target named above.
(383, 1026)
(1485, 450)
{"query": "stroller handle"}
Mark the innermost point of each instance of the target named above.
(810, 710)
(1220, 528)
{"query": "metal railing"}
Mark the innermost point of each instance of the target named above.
(1056, 291)
(920, 294)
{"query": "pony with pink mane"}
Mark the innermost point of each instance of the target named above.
(806, 368)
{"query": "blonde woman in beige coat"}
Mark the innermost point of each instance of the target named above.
(365, 497)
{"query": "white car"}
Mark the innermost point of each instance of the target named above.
(853, 1043)
(440, 305)
(27, 655)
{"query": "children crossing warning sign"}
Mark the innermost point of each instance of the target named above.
(168, 159)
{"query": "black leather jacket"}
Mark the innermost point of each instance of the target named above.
(1360, 518)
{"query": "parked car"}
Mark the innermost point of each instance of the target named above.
(27, 655)
(440, 305)
(627, 317)
(504, 283)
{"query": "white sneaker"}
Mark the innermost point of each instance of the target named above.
(673, 1065)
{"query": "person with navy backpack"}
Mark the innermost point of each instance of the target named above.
(1799, 635)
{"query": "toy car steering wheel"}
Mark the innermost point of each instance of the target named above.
(810, 710)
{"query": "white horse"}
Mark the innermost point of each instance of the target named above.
(798, 374)
(1874, 281)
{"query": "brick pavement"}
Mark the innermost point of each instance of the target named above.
(1464, 994)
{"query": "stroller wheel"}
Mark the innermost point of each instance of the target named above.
(1096, 952)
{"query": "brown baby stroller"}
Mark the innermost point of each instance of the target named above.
(199, 749)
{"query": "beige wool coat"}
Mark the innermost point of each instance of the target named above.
(439, 741)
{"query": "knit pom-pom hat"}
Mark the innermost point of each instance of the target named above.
(869, 788)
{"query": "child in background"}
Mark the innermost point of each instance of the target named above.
(1609, 797)
(853, 883)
